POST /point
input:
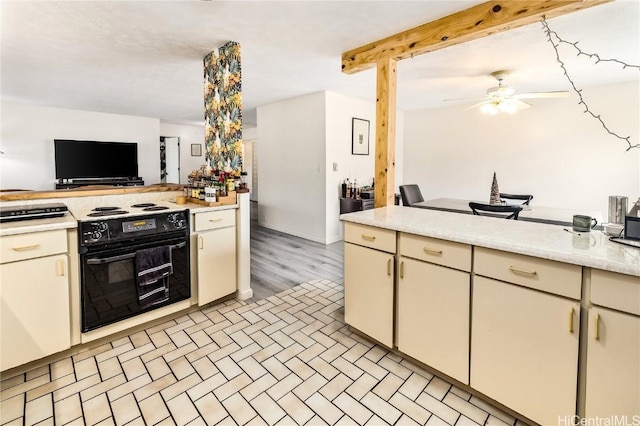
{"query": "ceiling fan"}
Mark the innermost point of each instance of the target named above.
(502, 98)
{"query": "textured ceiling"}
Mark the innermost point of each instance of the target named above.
(145, 57)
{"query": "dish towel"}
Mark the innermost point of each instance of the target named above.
(153, 264)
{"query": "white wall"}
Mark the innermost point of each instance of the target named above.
(291, 135)
(27, 135)
(188, 135)
(553, 150)
(299, 190)
(340, 110)
(250, 160)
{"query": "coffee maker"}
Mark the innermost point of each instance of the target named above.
(617, 214)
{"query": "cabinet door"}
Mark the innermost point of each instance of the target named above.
(368, 292)
(524, 349)
(216, 264)
(34, 310)
(433, 316)
(613, 365)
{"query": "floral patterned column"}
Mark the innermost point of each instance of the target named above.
(223, 108)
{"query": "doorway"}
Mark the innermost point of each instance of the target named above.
(169, 159)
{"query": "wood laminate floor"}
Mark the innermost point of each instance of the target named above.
(280, 261)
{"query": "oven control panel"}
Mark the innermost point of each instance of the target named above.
(110, 230)
(138, 225)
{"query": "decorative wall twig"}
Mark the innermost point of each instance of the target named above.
(556, 43)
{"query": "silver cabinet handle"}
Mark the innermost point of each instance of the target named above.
(389, 267)
(25, 248)
(368, 237)
(217, 219)
(571, 320)
(596, 334)
(522, 271)
(61, 268)
(201, 242)
(401, 269)
(432, 251)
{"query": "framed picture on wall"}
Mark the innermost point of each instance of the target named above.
(360, 136)
(196, 150)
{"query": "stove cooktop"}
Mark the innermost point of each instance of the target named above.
(105, 209)
(138, 209)
(100, 213)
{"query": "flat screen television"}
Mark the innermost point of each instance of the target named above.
(95, 160)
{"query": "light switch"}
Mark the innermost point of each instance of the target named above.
(335, 167)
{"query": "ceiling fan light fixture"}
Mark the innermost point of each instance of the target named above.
(490, 108)
(508, 106)
(501, 91)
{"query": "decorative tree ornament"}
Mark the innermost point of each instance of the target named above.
(494, 198)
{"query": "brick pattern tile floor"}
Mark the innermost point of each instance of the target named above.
(285, 360)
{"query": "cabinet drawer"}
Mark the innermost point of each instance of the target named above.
(215, 219)
(32, 245)
(369, 236)
(616, 291)
(547, 275)
(440, 252)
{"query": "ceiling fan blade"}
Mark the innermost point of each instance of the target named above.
(466, 99)
(541, 95)
(488, 101)
(522, 104)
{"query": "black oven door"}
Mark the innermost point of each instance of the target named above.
(109, 289)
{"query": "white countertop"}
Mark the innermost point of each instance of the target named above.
(532, 213)
(36, 225)
(70, 219)
(529, 238)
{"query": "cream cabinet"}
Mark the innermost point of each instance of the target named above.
(613, 347)
(216, 254)
(34, 297)
(433, 303)
(369, 281)
(524, 349)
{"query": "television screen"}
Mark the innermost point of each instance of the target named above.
(93, 159)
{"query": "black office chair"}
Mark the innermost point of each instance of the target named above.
(522, 197)
(410, 194)
(505, 212)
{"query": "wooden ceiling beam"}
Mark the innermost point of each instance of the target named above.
(476, 22)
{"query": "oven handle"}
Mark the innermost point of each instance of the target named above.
(99, 261)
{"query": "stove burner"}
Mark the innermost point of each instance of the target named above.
(107, 213)
(154, 208)
(105, 209)
(141, 205)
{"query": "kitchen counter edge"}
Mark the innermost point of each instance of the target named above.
(545, 241)
(68, 221)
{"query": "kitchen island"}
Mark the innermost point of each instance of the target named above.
(520, 313)
(41, 268)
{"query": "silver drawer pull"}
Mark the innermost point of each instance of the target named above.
(61, 268)
(218, 219)
(571, 314)
(25, 248)
(522, 271)
(368, 237)
(432, 251)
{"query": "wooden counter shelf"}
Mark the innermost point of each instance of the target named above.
(86, 191)
(221, 201)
